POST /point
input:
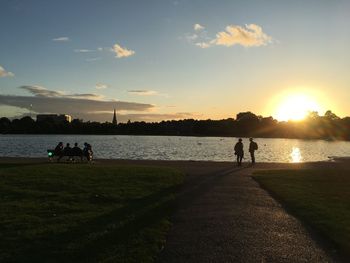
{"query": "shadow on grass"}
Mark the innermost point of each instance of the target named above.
(100, 236)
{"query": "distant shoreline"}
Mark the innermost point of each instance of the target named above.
(172, 135)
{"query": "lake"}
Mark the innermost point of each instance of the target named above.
(175, 147)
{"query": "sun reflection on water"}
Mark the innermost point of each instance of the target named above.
(296, 155)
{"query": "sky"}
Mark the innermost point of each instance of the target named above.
(172, 59)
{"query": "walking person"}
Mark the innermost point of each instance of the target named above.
(239, 151)
(253, 146)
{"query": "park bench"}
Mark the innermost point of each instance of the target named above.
(70, 157)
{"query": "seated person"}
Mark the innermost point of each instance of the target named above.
(76, 151)
(67, 151)
(59, 151)
(87, 151)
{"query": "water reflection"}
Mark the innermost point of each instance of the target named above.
(296, 155)
(176, 148)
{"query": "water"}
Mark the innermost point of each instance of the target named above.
(175, 148)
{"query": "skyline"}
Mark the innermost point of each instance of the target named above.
(172, 59)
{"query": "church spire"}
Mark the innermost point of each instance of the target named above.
(114, 117)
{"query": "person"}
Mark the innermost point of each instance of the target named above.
(67, 151)
(253, 146)
(59, 151)
(76, 151)
(87, 151)
(239, 151)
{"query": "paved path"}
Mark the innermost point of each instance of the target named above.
(224, 216)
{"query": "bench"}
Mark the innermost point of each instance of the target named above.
(71, 157)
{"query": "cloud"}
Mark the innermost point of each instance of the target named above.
(39, 91)
(4, 73)
(143, 92)
(73, 106)
(198, 27)
(61, 39)
(83, 50)
(101, 86)
(156, 116)
(199, 37)
(250, 35)
(121, 52)
(192, 37)
(203, 44)
(92, 59)
(90, 96)
(77, 105)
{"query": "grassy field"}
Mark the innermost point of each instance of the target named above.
(320, 198)
(84, 212)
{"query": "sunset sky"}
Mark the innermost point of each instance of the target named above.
(175, 59)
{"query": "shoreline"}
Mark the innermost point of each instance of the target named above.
(176, 135)
(336, 162)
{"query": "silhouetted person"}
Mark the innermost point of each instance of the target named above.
(87, 151)
(239, 151)
(59, 151)
(76, 151)
(67, 151)
(253, 146)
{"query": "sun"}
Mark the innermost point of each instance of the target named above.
(296, 107)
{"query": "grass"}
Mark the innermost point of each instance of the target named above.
(83, 212)
(320, 198)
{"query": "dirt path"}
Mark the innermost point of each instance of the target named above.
(224, 216)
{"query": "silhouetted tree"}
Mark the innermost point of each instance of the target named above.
(331, 116)
(246, 124)
(5, 125)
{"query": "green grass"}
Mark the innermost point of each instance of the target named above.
(84, 212)
(320, 198)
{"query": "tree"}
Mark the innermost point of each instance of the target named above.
(246, 116)
(312, 115)
(331, 116)
(5, 125)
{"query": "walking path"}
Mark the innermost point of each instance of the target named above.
(226, 217)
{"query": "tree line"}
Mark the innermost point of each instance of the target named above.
(246, 124)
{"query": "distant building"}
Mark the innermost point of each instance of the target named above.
(115, 118)
(56, 118)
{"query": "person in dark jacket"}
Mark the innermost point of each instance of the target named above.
(239, 151)
(76, 151)
(67, 151)
(253, 146)
(87, 151)
(59, 151)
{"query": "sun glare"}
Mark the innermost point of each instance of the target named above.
(296, 107)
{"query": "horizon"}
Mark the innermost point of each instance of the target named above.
(172, 60)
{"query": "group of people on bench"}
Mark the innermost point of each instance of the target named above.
(76, 151)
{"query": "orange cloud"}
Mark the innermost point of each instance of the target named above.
(248, 36)
(121, 52)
